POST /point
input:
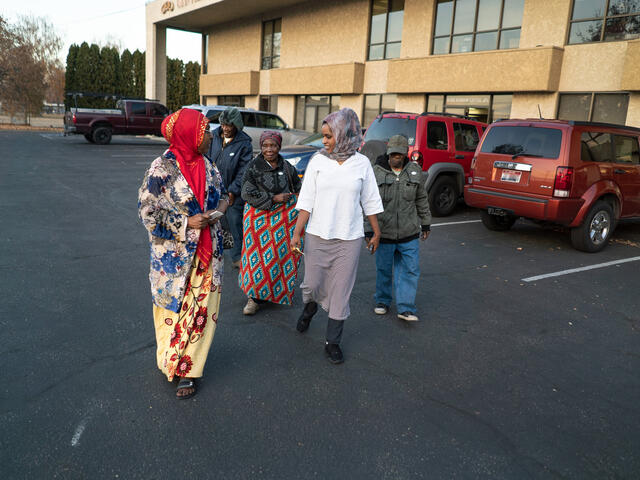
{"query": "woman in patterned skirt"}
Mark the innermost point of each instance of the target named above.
(268, 268)
(179, 202)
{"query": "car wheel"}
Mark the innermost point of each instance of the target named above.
(497, 223)
(595, 231)
(102, 135)
(88, 137)
(443, 196)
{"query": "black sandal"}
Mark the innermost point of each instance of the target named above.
(183, 384)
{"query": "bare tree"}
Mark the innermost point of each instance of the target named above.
(28, 63)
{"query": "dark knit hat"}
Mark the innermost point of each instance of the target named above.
(232, 116)
(398, 144)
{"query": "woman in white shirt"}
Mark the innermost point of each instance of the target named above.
(338, 186)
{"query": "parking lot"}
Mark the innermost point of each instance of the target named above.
(524, 364)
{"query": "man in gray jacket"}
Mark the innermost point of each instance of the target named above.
(406, 218)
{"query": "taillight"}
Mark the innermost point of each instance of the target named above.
(74, 118)
(564, 179)
(416, 156)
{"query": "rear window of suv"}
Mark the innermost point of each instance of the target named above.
(533, 141)
(388, 127)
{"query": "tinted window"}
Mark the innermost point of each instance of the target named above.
(138, 108)
(595, 147)
(437, 136)
(213, 115)
(158, 110)
(626, 149)
(270, 121)
(388, 127)
(466, 137)
(249, 119)
(535, 141)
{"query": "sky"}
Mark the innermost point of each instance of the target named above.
(115, 21)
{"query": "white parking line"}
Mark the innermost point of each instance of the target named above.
(581, 269)
(454, 223)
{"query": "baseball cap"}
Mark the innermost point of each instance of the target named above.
(398, 144)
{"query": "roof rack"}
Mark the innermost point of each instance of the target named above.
(602, 124)
(445, 114)
(381, 114)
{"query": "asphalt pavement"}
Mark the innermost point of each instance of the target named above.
(504, 377)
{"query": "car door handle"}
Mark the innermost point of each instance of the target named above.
(619, 170)
(459, 157)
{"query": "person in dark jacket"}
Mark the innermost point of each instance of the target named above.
(406, 218)
(231, 152)
(270, 186)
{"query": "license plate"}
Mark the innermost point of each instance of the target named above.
(511, 176)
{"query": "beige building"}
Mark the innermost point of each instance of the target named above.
(488, 59)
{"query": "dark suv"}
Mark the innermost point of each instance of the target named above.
(443, 144)
(581, 175)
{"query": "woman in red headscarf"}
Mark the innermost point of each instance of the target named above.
(180, 201)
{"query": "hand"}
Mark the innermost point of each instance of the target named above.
(232, 198)
(424, 235)
(373, 242)
(199, 221)
(281, 197)
(295, 243)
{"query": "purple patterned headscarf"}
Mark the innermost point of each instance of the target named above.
(271, 135)
(345, 127)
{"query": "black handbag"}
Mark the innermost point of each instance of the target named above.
(227, 238)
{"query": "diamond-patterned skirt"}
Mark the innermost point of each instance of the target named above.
(268, 268)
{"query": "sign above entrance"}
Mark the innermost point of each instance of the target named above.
(167, 7)
(464, 100)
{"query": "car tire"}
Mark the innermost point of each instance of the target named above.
(596, 229)
(102, 135)
(443, 196)
(497, 223)
(89, 137)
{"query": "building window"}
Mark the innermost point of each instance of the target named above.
(595, 107)
(271, 37)
(269, 103)
(604, 20)
(385, 37)
(311, 110)
(231, 100)
(477, 25)
(205, 54)
(483, 108)
(374, 105)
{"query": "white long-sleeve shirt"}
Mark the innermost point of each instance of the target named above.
(336, 195)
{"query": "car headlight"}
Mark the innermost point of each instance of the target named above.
(294, 160)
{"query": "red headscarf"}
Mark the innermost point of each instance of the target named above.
(185, 130)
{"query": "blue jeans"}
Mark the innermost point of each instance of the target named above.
(402, 260)
(234, 217)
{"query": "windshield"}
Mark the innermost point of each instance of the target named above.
(532, 141)
(388, 127)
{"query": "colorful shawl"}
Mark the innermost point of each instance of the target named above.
(268, 268)
(345, 127)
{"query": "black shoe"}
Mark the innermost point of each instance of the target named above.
(334, 353)
(309, 311)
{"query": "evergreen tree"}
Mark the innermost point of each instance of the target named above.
(191, 83)
(107, 74)
(125, 87)
(175, 84)
(83, 73)
(138, 74)
(70, 74)
(95, 82)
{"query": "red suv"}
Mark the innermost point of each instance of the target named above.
(582, 175)
(443, 144)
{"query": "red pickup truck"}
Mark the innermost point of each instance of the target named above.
(130, 117)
